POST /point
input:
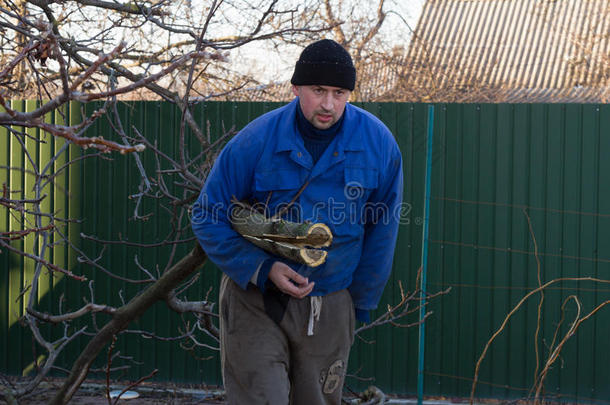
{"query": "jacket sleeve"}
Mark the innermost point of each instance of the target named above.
(231, 175)
(380, 232)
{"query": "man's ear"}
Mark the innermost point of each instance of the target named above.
(295, 90)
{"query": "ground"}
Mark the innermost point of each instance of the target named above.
(155, 393)
(94, 393)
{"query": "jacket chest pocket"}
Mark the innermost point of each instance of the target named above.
(277, 187)
(277, 180)
(359, 182)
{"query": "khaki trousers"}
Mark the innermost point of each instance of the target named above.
(267, 363)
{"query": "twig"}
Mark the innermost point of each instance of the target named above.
(89, 308)
(44, 262)
(512, 312)
(108, 365)
(402, 309)
(553, 357)
(15, 235)
(287, 206)
(541, 302)
(135, 384)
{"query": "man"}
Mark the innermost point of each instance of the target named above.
(286, 329)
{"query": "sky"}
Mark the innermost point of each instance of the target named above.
(259, 59)
(278, 68)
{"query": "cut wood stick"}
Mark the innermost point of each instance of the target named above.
(310, 257)
(295, 241)
(252, 223)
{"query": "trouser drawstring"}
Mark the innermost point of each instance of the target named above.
(314, 313)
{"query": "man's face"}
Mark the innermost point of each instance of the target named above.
(321, 105)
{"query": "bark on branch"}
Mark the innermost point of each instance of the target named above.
(299, 242)
(88, 308)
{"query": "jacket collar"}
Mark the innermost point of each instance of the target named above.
(288, 138)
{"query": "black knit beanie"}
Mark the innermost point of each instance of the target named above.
(325, 63)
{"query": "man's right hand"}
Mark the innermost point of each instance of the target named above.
(289, 281)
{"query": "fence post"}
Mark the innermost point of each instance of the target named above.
(424, 258)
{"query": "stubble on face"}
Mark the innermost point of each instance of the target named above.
(323, 119)
(322, 106)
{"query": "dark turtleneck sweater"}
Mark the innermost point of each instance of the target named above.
(316, 140)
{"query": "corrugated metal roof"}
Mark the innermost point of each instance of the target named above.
(536, 49)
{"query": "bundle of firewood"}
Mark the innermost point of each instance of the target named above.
(299, 242)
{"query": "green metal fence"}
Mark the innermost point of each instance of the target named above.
(497, 167)
(47, 156)
(505, 180)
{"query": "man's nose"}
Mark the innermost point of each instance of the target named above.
(327, 101)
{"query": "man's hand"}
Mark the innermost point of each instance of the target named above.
(289, 281)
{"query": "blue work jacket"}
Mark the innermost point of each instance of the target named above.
(355, 188)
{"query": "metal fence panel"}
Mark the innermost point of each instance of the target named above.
(502, 169)
(49, 155)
